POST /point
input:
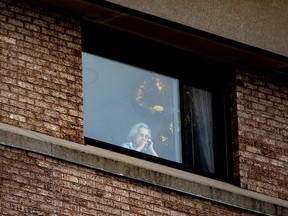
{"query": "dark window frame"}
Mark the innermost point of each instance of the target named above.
(176, 63)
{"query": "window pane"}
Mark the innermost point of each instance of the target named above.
(198, 110)
(117, 96)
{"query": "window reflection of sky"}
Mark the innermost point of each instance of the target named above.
(110, 104)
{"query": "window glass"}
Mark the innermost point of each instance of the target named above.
(203, 129)
(178, 101)
(117, 96)
(199, 120)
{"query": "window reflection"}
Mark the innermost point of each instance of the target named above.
(117, 96)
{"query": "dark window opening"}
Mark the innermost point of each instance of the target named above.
(175, 99)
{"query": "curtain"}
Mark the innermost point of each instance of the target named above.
(203, 129)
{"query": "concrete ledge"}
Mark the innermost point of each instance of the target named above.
(144, 171)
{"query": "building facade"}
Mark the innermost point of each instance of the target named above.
(51, 165)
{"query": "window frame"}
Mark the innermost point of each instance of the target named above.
(172, 59)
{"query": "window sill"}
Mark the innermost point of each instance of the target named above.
(144, 171)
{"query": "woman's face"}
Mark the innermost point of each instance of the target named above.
(141, 137)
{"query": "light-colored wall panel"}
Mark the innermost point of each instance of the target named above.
(260, 23)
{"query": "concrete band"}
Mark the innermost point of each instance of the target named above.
(122, 165)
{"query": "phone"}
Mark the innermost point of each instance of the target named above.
(149, 142)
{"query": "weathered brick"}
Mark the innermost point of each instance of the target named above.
(15, 22)
(6, 39)
(258, 106)
(266, 136)
(41, 90)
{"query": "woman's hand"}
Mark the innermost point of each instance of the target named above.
(149, 146)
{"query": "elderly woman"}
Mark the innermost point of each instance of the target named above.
(139, 139)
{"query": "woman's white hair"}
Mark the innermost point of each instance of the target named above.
(134, 130)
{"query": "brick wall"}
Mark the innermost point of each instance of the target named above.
(40, 61)
(33, 184)
(261, 141)
(41, 90)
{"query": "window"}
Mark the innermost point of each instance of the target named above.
(119, 95)
(176, 98)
